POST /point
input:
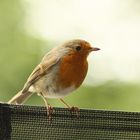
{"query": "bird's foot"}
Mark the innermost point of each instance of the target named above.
(49, 111)
(75, 109)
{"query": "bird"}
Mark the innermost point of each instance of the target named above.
(61, 71)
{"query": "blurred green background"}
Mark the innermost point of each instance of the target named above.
(21, 49)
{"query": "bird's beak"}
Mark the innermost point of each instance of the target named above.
(94, 49)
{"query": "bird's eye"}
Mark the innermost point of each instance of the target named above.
(78, 48)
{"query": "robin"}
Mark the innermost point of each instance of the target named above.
(61, 71)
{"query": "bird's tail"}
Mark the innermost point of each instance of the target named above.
(20, 97)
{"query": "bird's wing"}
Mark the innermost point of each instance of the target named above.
(40, 71)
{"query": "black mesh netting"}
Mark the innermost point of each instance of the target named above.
(32, 123)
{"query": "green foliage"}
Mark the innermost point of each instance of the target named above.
(19, 54)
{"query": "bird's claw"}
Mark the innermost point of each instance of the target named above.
(75, 109)
(49, 111)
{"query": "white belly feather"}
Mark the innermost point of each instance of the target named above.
(47, 86)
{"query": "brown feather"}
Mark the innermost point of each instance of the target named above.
(73, 69)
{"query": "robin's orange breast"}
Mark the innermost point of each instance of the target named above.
(72, 71)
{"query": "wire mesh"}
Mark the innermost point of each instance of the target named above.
(18, 122)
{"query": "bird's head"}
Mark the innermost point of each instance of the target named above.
(79, 47)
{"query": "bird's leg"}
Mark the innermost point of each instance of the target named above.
(49, 108)
(65, 103)
(73, 108)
